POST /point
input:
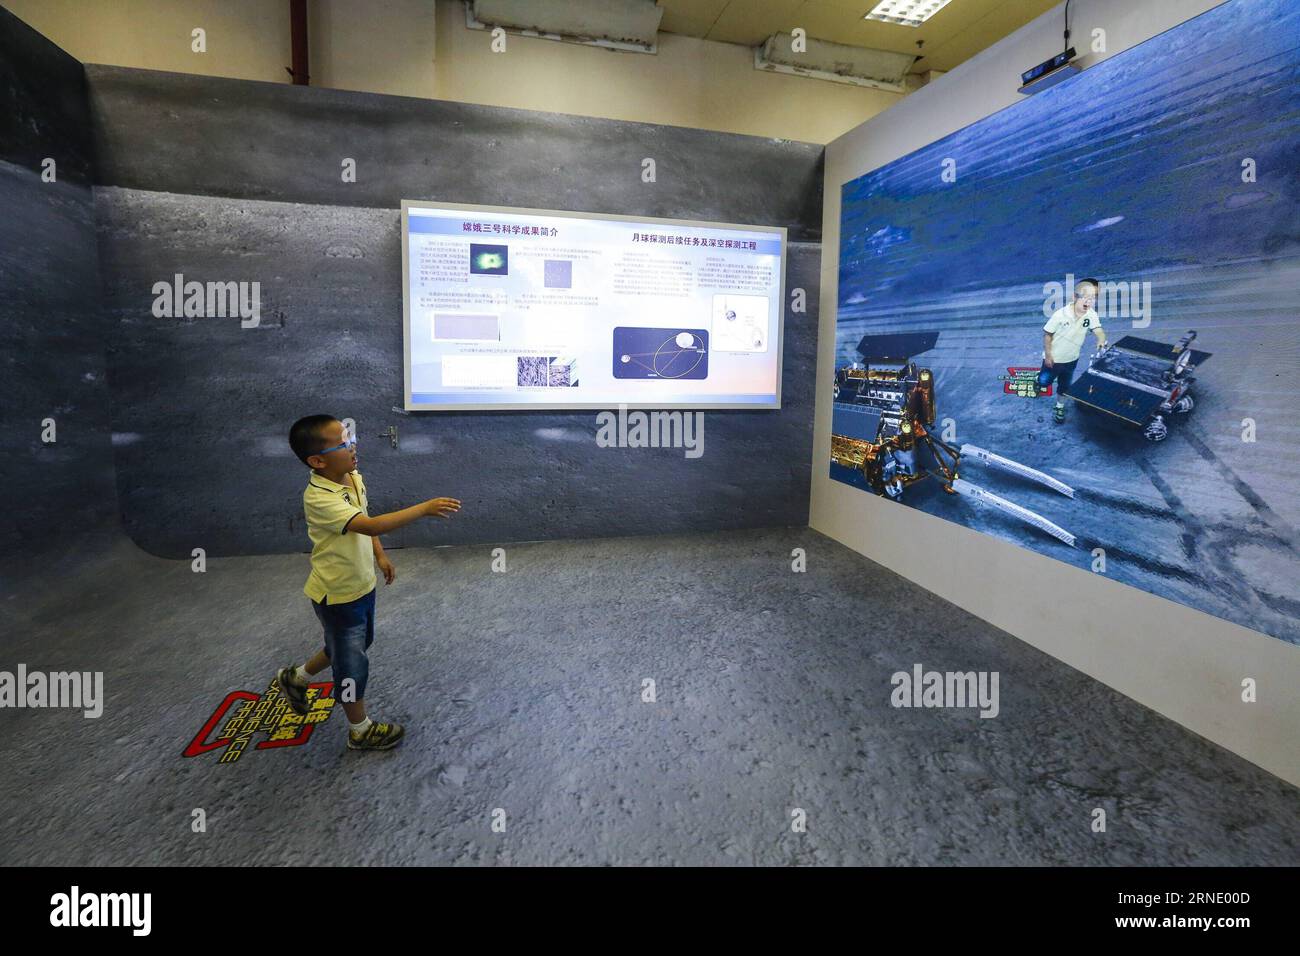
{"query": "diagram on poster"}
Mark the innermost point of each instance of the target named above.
(661, 353)
(739, 323)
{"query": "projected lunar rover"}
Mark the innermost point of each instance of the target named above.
(1140, 381)
(888, 384)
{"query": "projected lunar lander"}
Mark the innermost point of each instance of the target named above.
(677, 356)
(887, 384)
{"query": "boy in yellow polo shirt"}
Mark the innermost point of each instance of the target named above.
(345, 550)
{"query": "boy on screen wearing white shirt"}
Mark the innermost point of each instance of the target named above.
(1063, 338)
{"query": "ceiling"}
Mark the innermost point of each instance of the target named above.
(954, 34)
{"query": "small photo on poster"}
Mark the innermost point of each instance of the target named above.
(740, 323)
(558, 274)
(533, 371)
(489, 260)
(563, 372)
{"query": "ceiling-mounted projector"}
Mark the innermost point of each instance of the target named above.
(1048, 73)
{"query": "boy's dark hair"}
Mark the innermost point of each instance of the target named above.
(1093, 282)
(305, 436)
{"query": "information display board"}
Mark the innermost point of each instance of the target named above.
(533, 308)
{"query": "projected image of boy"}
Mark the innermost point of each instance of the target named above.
(341, 586)
(1063, 338)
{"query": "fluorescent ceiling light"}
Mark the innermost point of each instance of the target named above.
(910, 13)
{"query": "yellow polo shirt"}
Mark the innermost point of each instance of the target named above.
(342, 561)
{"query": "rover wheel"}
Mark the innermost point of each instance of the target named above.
(1184, 405)
(894, 489)
(1156, 430)
(835, 392)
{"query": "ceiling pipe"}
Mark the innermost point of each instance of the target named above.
(298, 34)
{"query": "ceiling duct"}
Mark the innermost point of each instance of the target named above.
(623, 24)
(837, 62)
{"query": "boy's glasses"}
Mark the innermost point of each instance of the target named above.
(349, 443)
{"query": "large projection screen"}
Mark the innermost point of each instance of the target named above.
(1160, 446)
(509, 308)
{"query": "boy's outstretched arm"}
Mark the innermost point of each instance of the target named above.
(382, 524)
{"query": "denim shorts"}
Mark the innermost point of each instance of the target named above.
(349, 632)
(1062, 373)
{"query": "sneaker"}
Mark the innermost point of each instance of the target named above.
(1058, 413)
(294, 693)
(377, 737)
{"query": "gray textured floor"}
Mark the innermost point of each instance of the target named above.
(521, 691)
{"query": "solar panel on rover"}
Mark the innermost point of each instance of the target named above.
(1124, 401)
(1159, 350)
(897, 347)
(854, 421)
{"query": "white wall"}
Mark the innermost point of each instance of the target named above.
(1180, 662)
